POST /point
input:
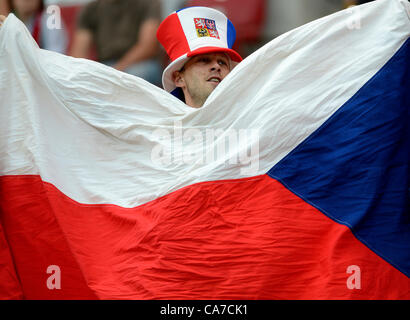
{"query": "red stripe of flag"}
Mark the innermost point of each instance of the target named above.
(236, 239)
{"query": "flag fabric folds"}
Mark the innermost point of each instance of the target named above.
(291, 182)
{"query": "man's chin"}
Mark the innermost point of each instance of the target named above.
(201, 95)
(212, 84)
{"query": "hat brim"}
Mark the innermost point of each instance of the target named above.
(167, 79)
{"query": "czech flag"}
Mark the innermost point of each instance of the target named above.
(291, 182)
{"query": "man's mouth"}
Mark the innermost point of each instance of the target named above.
(214, 79)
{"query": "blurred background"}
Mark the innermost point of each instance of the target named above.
(122, 33)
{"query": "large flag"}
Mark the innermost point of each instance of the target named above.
(291, 182)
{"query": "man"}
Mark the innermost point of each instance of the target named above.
(123, 33)
(198, 40)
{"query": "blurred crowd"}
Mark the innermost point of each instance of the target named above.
(122, 33)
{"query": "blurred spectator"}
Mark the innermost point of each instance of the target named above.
(49, 36)
(287, 15)
(169, 6)
(124, 35)
(4, 7)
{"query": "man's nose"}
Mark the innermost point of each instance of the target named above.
(215, 66)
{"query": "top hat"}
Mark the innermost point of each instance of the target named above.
(193, 31)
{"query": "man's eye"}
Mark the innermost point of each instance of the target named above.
(223, 63)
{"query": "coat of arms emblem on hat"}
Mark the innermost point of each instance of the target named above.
(206, 28)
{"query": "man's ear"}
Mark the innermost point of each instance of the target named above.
(178, 78)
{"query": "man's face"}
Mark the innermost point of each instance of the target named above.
(200, 76)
